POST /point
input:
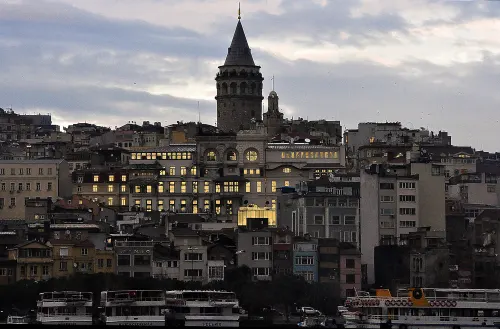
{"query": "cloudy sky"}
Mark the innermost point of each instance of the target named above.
(432, 64)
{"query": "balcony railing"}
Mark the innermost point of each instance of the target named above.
(149, 244)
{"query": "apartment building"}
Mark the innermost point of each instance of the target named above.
(25, 179)
(350, 270)
(305, 257)
(397, 199)
(134, 258)
(34, 261)
(193, 260)
(328, 261)
(72, 256)
(327, 207)
(166, 262)
(282, 251)
(109, 186)
(478, 188)
(258, 251)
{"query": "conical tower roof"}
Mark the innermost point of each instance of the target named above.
(239, 52)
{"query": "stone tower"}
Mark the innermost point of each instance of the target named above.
(239, 86)
(273, 118)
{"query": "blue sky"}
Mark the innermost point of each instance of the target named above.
(432, 64)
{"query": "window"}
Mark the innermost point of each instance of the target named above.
(231, 187)
(193, 273)
(124, 178)
(63, 266)
(40, 171)
(149, 205)
(407, 198)
(206, 205)
(287, 170)
(273, 186)
(261, 255)
(96, 178)
(287, 183)
(149, 189)
(110, 201)
(491, 188)
(260, 271)
(28, 186)
(95, 189)
(350, 263)
(195, 206)
(211, 156)
(216, 273)
(217, 187)
(350, 278)
(387, 186)
(193, 257)
(20, 187)
(193, 170)
(247, 187)
(109, 263)
(49, 171)
(123, 201)
(100, 263)
(318, 219)
(261, 240)
(251, 155)
(123, 260)
(33, 270)
(45, 270)
(407, 223)
(171, 187)
(407, 185)
(386, 198)
(63, 252)
(110, 188)
(304, 260)
(335, 220)
(386, 211)
(142, 260)
(84, 251)
(259, 187)
(111, 178)
(183, 171)
(183, 187)
(13, 202)
(407, 211)
(231, 156)
(349, 220)
(194, 187)
(206, 187)
(307, 275)
(171, 171)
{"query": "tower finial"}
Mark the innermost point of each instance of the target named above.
(239, 10)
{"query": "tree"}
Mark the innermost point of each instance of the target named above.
(288, 289)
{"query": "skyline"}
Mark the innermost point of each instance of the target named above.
(353, 62)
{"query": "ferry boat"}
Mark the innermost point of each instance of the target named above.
(64, 308)
(201, 308)
(133, 307)
(425, 308)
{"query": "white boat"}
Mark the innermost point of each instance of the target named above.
(133, 307)
(202, 308)
(64, 308)
(425, 308)
(13, 319)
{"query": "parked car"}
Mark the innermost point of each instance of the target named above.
(306, 310)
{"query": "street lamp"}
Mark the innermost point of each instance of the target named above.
(192, 260)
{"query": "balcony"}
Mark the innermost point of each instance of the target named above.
(146, 244)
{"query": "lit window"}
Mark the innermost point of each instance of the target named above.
(183, 187)
(160, 205)
(123, 188)
(259, 187)
(211, 156)
(171, 204)
(287, 170)
(230, 187)
(111, 178)
(206, 205)
(217, 188)
(172, 171)
(287, 183)
(183, 205)
(251, 155)
(96, 178)
(123, 201)
(248, 187)
(124, 178)
(160, 187)
(110, 201)
(137, 189)
(171, 187)
(217, 207)
(273, 186)
(193, 170)
(206, 187)
(110, 188)
(372, 140)
(183, 171)
(195, 187)
(273, 204)
(149, 189)
(95, 188)
(231, 156)
(195, 206)
(149, 205)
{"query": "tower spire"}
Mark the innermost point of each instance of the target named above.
(239, 10)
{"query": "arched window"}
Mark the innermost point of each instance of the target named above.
(233, 88)
(211, 156)
(253, 86)
(218, 89)
(243, 88)
(231, 156)
(224, 88)
(251, 155)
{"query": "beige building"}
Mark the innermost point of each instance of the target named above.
(20, 180)
(397, 200)
(475, 188)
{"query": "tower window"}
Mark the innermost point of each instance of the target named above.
(231, 156)
(233, 88)
(243, 88)
(211, 156)
(252, 155)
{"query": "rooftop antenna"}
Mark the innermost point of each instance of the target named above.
(199, 115)
(239, 10)
(272, 79)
